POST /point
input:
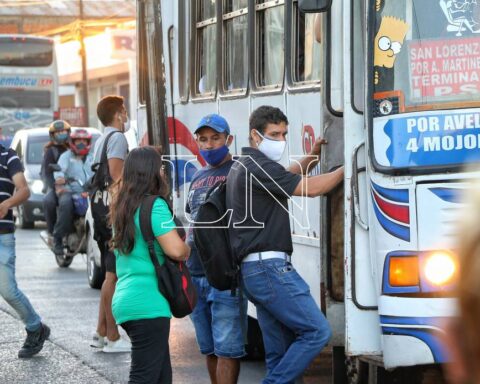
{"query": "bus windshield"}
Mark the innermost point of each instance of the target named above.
(426, 73)
(25, 52)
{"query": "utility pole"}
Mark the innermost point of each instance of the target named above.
(83, 55)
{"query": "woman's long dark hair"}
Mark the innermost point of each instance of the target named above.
(140, 177)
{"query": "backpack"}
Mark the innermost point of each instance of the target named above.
(43, 172)
(174, 281)
(99, 196)
(210, 234)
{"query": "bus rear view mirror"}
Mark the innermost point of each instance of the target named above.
(314, 6)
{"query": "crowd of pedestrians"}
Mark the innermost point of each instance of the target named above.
(258, 188)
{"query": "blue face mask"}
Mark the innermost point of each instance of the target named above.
(214, 156)
(61, 138)
(81, 146)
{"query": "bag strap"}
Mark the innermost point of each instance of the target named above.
(103, 157)
(146, 226)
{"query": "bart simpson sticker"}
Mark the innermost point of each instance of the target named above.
(388, 44)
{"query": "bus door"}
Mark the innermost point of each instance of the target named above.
(362, 330)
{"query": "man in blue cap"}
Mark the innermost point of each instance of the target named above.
(218, 315)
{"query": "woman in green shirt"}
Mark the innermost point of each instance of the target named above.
(138, 306)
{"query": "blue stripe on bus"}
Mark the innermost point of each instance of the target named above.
(397, 195)
(392, 228)
(428, 336)
(450, 195)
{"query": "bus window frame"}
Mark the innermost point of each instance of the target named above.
(291, 57)
(142, 62)
(183, 52)
(355, 108)
(390, 171)
(195, 62)
(237, 93)
(253, 11)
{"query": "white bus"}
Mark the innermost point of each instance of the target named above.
(28, 83)
(393, 85)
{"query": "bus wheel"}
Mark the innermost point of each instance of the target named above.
(254, 349)
(357, 371)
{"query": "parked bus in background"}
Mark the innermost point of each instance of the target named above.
(394, 88)
(28, 83)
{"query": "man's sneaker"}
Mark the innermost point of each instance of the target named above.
(34, 342)
(119, 345)
(97, 341)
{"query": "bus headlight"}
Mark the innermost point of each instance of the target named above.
(37, 187)
(440, 268)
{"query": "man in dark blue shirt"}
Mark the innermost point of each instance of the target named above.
(217, 316)
(13, 192)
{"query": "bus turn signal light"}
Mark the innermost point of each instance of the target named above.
(404, 271)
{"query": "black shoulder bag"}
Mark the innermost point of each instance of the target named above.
(174, 281)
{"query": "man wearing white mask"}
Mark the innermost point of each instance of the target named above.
(113, 145)
(258, 188)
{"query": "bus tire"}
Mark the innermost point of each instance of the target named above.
(254, 348)
(339, 366)
(357, 371)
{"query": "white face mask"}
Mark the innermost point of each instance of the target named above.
(126, 124)
(273, 149)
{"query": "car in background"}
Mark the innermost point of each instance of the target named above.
(29, 145)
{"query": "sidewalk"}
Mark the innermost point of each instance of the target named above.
(52, 365)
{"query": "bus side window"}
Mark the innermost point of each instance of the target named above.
(142, 58)
(270, 61)
(183, 50)
(205, 48)
(235, 48)
(308, 47)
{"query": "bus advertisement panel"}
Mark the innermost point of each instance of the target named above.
(28, 83)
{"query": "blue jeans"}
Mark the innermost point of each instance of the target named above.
(293, 327)
(8, 285)
(217, 319)
(63, 226)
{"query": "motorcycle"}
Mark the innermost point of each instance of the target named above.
(75, 241)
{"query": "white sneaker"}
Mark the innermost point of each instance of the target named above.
(119, 345)
(97, 341)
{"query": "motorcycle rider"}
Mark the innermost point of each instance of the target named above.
(75, 166)
(59, 132)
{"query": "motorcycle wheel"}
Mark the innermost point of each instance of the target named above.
(63, 261)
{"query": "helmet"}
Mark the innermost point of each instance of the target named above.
(56, 127)
(80, 149)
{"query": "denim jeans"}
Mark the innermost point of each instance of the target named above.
(50, 209)
(218, 318)
(64, 222)
(293, 327)
(8, 285)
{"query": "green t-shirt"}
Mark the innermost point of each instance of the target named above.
(136, 294)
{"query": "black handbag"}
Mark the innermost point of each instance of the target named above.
(174, 281)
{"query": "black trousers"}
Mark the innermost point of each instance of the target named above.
(150, 351)
(50, 203)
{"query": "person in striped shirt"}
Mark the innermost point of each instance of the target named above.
(13, 192)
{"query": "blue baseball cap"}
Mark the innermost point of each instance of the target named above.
(214, 121)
